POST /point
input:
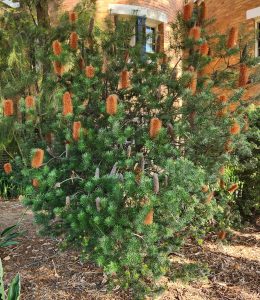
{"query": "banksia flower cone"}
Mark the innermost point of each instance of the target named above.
(124, 79)
(73, 17)
(222, 170)
(193, 84)
(235, 128)
(195, 32)
(209, 198)
(111, 104)
(90, 71)
(35, 183)
(8, 168)
(222, 235)
(204, 49)
(8, 108)
(37, 158)
(76, 130)
(58, 68)
(187, 11)
(149, 218)
(56, 47)
(222, 112)
(204, 11)
(205, 188)
(243, 75)
(222, 98)
(233, 188)
(81, 63)
(155, 127)
(232, 107)
(228, 146)
(29, 102)
(67, 104)
(232, 38)
(74, 40)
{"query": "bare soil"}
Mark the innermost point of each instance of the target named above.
(49, 273)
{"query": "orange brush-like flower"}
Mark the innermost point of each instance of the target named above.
(187, 11)
(222, 112)
(58, 68)
(195, 33)
(243, 75)
(124, 78)
(76, 130)
(222, 235)
(8, 168)
(155, 127)
(233, 188)
(222, 170)
(209, 198)
(90, 71)
(204, 11)
(67, 104)
(56, 48)
(233, 106)
(37, 158)
(35, 183)
(205, 188)
(29, 102)
(235, 128)
(232, 38)
(149, 218)
(8, 108)
(193, 84)
(111, 104)
(74, 40)
(73, 16)
(204, 49)
(222, 98)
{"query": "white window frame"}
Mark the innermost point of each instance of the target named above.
(257, 42)
(254, 13)
(11, 3)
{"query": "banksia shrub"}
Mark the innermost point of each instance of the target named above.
(155, 127)
(232, 38)
(90, 71)
(235, 128)
(233, 188)
(243, 75)
(29, 102)
(37, 159)
(73, 16)
(74, 40)
(204, 49)
(76, 130)
(195, 33)
(8, 168)
(111, 104)
(187, 11)
(56, 48)
(58, 68)
(124, 79)
(149, 218)
(67, 104)
(8, 108)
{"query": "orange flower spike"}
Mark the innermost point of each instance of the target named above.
(187, 11)
(222, 235)
(235, 128)
(243, 75)
(223, 99)
(222, 112)
(204, 49)
(125, 81)
(56, 48)
(29, 102)
(90, 71)
(111, 104)
(209, 198)
(233, 188)
(73, 17)
(233, 106)
(74, 40)
(67, 104)
(8, 168)
(233, 37)
(76, 130)
(35, 183)
(204, 11)
(222, 170)
(58, 68)
(195, 33)
(8, 108)
(37, 158)
(205, 188)
(155, 127)
(149, 218)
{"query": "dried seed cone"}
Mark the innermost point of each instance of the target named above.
(56, 48)
(74, 40)
(204, 11)
(76, 130)
(29, 102)
(155, 127)
(58, 68)
(204, 49)
(187, 11)
(8, 168)
(195, 33)
(35, 183)
(222, 99)
(125, 81)
(90, 71)
(222, 184)
(222, 235)
(37, 158)
(81, 63)
(243, 75)
(205, 188)
(232, 38)
(149, 218)
(233, 188)
(67, 104)
(193, 84)
(111, 104)
(235, 128)
(73, 16)
(246, 124)
(222, 170)
(8, 108)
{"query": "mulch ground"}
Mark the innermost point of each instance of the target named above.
(233, 267)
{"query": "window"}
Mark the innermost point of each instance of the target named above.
(150, 39)
(258, 38)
